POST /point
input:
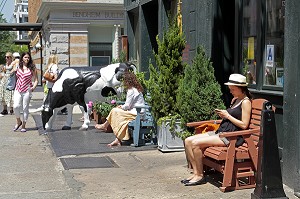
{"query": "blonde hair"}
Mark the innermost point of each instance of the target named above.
(8, 54)
(53, 59)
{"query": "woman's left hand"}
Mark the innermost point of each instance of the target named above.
(223, 114)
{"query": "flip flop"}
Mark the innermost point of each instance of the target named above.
(17, 126)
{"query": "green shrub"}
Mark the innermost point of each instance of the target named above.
(199, 93)
(165, 77)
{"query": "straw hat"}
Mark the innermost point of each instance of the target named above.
(237, 80)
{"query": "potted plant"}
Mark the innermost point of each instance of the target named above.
(163, 86)
(101, 110)
(199, 93)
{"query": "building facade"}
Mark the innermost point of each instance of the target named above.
(257, 38)
(81, 33)
(21, 16)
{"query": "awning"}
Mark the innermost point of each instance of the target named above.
(21, 26)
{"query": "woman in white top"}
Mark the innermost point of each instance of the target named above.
(120, 116)
(52, 68)
(6, 96)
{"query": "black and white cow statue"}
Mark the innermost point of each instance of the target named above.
(80, 85)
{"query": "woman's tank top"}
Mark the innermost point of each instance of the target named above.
(227, 126)
(24, 80)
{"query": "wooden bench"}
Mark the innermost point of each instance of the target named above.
(141, 126)
(237, 164)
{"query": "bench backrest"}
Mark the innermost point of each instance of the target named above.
(257, 107)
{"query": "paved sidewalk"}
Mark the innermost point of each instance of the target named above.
(30, 169)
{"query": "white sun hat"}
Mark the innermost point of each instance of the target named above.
(16, 54)
(237, 80)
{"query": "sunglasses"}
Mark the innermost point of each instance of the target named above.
(7, 57)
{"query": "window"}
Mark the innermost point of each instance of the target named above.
(100, 53)
(249, 38)
(274, 44)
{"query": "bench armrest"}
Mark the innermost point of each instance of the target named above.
(239, 133)
(195, 124)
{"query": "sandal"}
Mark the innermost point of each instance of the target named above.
(23, 130)
(116, 142)
(100, 127)
(17, 126)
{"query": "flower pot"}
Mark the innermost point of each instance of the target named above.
(168, 141)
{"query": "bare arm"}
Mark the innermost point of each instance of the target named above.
(246, 114)
(35, 79)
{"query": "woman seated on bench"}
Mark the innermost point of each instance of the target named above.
(235, 118)
(120, 116)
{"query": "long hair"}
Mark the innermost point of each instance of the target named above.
(130, 80)
(53, 59)
(246, 91)
(30, 65)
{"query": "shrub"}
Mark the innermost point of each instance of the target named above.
(164, 79)
(199, 93)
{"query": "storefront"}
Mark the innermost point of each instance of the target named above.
(80, 33)
(252, 37)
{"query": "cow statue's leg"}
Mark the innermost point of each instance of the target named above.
(69, 121)
(86, 116)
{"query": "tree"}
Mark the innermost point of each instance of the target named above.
(164, 79)
(6, 42)
(199, 93)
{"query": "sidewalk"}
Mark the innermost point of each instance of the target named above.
(30, 169)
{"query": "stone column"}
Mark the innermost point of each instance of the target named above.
(116, 44)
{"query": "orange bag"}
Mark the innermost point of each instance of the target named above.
(206, 127)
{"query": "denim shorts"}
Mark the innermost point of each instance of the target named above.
(225, 140)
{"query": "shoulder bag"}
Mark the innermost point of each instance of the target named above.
(49, 76)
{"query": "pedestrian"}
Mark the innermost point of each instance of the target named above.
(6, 96)
(120, 116)
(26, 72)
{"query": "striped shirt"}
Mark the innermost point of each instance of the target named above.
(24, 80)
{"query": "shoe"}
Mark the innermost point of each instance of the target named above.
(23, 130)
(11, 112)
(184, 181)
(199, 182)
(17, 126)
(4, 112)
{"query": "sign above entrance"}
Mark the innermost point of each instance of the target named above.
(89, 15)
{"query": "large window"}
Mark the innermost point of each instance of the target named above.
(272, 48)
(249, 40)
(274, 44)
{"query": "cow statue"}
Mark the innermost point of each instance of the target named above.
(80, 85)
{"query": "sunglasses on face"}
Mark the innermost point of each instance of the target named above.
(7, 57)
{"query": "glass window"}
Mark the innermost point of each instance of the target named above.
(274, 45)
(249, 40)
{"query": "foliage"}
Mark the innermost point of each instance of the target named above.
(6, 42)
(165, 78)
(120, 59)
(199, 93)
(103, 108)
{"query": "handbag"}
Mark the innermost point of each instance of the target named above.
(48, 76)
(11, 82)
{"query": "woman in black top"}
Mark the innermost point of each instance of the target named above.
(236, 117)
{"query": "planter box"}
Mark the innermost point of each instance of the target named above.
(167, 141)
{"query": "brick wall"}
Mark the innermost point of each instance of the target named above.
(33, 8)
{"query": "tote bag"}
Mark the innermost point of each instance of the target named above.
(11, 82)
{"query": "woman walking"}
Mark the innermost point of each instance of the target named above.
(24, 88)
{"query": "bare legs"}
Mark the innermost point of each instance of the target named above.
(103, 127)
(194, 147)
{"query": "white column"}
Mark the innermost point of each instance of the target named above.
(116, 42)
